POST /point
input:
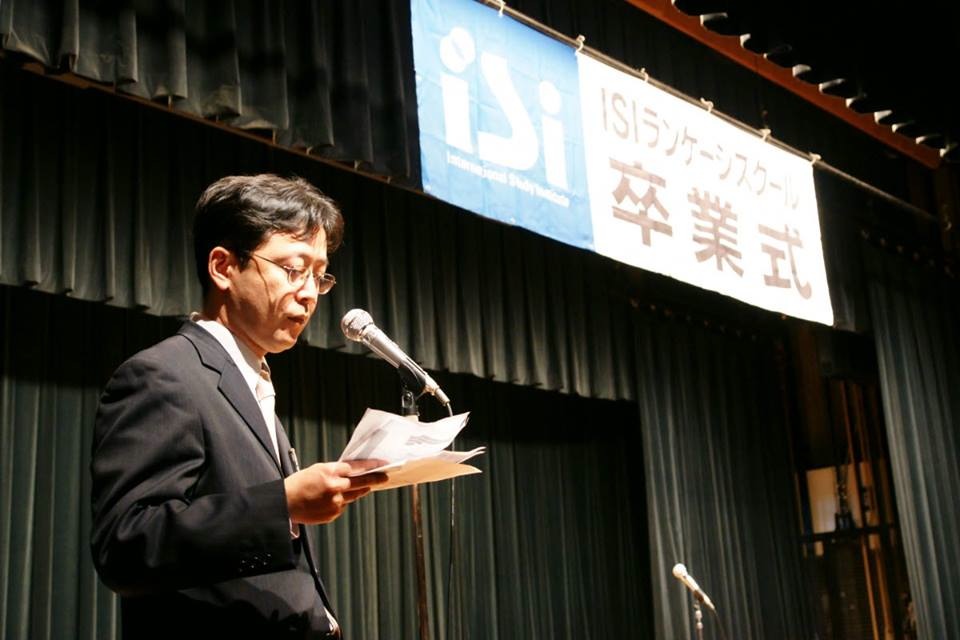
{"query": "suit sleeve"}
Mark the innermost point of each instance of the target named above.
(150, 533)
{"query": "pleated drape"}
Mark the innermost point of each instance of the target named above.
(549, 542)
(915, 315)
(331, 77)
(719, 482)
(96, 201)
(56, 356)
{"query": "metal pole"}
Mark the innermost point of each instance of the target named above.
(408, 409)
(421, 565)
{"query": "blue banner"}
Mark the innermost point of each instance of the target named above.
(500, 125)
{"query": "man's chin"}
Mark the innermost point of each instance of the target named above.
(283, 340)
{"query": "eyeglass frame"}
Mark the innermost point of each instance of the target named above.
(323, 282)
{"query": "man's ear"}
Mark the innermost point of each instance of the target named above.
(220, 264)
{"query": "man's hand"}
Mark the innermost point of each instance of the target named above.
(320, 493)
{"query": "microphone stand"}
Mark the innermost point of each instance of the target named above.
(409, 410)
(698, 618)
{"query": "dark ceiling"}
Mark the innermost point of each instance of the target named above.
(891, 57)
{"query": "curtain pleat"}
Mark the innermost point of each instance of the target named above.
(467, 271)
(483, 289)
(549, 542)
(719, 482)
(568, 563)
(308, 81)
(50, 385)
(915, 315)
(332, 77)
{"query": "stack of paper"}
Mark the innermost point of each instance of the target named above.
(413, 452)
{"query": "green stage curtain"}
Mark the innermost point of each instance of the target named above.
(96, 201)
(915, 315)
(549, 542)
(332, 77)
(719, 483)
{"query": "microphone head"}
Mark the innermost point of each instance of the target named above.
(679, 571)
(354, 322)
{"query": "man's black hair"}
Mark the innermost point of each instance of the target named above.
(239, 213)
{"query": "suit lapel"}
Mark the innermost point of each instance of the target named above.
(232, 385)
(283, 443)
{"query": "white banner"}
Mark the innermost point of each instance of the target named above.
(680, 192)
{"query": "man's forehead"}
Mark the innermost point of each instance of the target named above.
(315, 244)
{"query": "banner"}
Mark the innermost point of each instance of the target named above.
(678, 191)
(499, 114)
(518, 127)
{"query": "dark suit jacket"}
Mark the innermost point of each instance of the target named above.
(190, 521)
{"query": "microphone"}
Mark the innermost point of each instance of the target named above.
(680, 573)
(357, 325)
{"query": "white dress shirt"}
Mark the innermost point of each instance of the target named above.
(249, 366)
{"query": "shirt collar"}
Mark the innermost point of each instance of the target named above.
(242, 356)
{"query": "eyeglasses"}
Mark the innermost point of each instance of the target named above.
(298, 277)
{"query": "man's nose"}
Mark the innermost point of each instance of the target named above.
(308, 292)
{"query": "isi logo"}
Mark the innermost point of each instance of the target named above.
(527, 140)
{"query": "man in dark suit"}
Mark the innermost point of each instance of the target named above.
(198, 504)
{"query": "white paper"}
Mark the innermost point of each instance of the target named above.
(413, 452)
